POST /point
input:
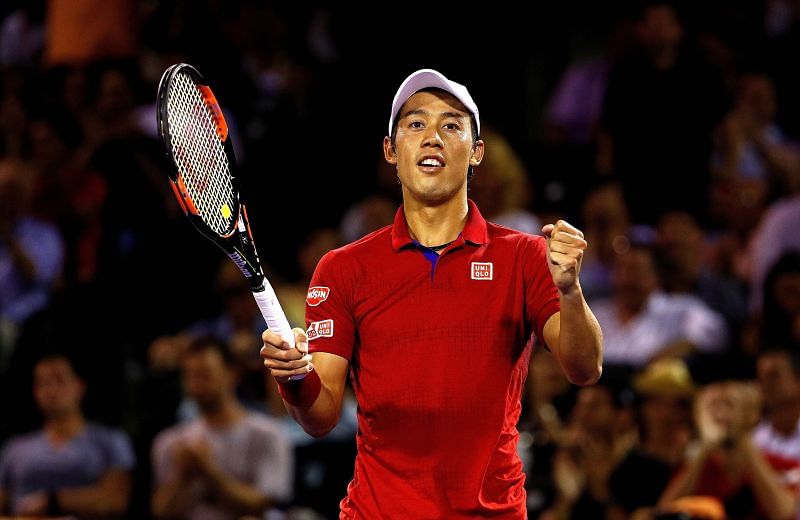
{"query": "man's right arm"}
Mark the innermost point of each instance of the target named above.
(315, 401)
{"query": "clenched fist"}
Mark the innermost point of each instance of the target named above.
(565, 246)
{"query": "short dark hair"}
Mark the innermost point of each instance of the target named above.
(792, 356)
(212, 343)
(473, 126)
(49, 357)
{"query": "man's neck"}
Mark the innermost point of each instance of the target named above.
(435, 225)
(65, 427)
(227, 414)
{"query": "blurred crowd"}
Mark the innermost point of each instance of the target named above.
(668, 131)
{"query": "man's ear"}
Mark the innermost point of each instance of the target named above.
(477, 153)
(389, 152)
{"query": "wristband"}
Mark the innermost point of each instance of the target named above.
(301, 393)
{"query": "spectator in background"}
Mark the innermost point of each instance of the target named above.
(751, 149)
(501, 187)
(597, 437)
(607, 225)
(67, 192)
(661, 104)
(572, 114)
(775, 235)
(780, 320)
(684, 269)
(226, 463)
(70, 466)
(641, 323)
(727, 464)
(778, 434)
(664, 391)
(22, 35)
(366, 216)
(31, 253)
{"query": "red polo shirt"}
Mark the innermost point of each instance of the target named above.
(439, 350)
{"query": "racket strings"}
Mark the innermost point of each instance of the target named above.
(200, 154)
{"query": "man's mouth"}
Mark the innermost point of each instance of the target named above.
(431, 162)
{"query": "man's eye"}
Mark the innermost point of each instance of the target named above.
(451, 126)
(415, 124)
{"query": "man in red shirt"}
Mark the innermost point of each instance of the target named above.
(434, 316)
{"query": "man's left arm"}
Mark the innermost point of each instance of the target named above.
(110, 496)
(107, 498)
(573, 334)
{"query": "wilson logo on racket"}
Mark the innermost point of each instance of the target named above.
(320, 329)
(317, 295)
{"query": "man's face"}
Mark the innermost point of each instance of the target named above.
(594, 410)
(635, 277)
(776, 379)
(207, 378)
(57, 389)
(660, 28)
(433, 147)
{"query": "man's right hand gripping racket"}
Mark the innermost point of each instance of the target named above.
(195, 137)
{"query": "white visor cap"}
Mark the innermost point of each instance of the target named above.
(429, 78)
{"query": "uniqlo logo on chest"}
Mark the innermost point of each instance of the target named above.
(482, 271)
(320, 329)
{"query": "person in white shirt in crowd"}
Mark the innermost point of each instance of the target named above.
(226, 463)
(641, 323)
(778, 433)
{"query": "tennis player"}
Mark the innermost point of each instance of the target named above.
(433, 316)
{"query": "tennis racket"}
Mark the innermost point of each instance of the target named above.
(203, 177)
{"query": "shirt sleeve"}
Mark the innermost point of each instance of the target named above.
(161, 458)
(541, 295)
(330, 320)
(119, 451)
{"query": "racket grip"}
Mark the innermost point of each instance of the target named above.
(273, 314)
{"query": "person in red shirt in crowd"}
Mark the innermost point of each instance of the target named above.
(434, 316)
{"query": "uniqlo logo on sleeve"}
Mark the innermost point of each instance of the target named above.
(317, 295)
(320, 329)
(482, 270)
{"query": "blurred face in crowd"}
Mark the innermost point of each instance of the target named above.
(48, 149)
(664, 415)
(776, 378)
(13, 190)
(787, 292)
(114, 97)
(681, 240)
(234, 290)
(634, 278)
(757, 95)
(660, 28)
(207, 379)
(57, 388)
(433, 147)
(594, 410)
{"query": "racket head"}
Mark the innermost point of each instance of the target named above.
(195, 137)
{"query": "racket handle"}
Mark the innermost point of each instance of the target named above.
(274, 316)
